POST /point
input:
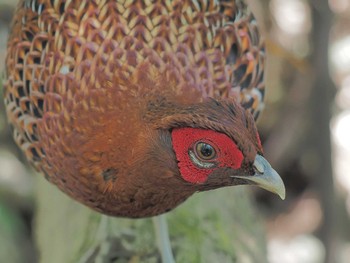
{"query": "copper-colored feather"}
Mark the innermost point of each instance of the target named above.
(87, 81)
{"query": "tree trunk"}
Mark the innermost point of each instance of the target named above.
(320, 109)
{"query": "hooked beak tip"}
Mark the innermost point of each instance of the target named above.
(266, 177)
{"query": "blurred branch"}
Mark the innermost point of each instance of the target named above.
(301, 64)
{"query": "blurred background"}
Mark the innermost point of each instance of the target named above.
(305, 129)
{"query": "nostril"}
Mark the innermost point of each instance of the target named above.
(259, 166)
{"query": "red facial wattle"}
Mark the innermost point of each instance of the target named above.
(259, 140)
(184, 141)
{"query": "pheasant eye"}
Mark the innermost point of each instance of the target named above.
(205, 151)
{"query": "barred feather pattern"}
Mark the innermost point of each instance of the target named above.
(55, 48)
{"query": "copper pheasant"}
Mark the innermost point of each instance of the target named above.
(132, 106)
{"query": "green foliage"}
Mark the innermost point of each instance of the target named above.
(216, 226)
(11, 228)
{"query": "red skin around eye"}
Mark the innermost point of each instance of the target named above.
(228, 154)
(259, 141)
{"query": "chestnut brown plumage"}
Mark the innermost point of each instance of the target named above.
(98, 93)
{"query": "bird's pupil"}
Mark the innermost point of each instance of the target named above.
(206, 150)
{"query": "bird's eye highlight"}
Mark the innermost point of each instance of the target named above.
(205, 151)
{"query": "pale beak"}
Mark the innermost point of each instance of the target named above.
(266, 177)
